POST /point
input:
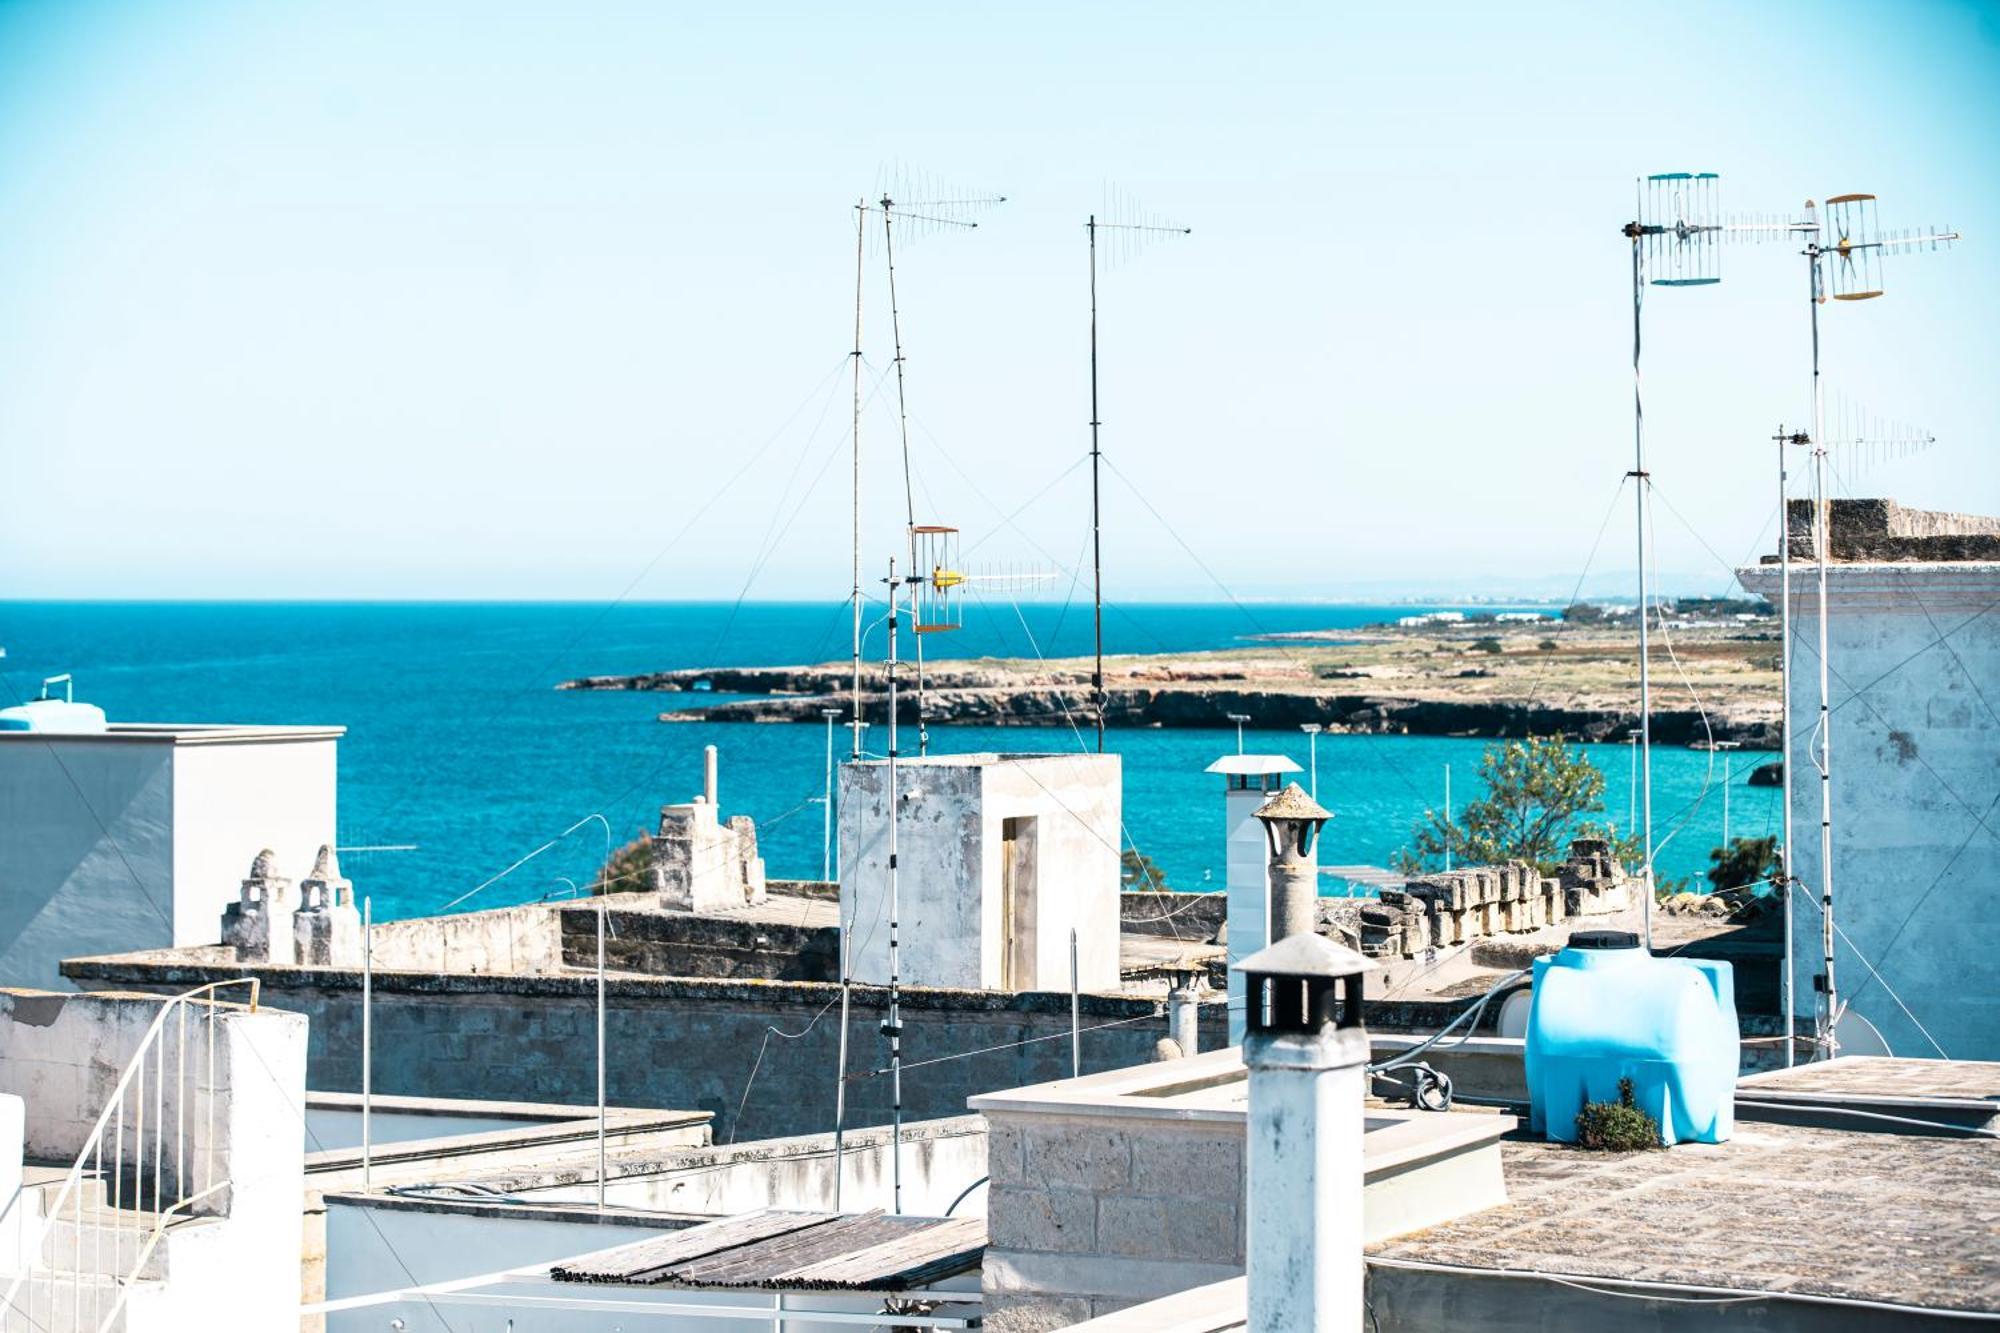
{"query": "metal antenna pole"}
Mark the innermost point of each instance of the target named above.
(1096, 518)
(826, 802)
(893, 1027)
(1785, 736)
(1645, 666)
(367, 1039)
(1447, 816)
(909, 490)
(601, 910)
(1135, 233)
(860, 235)
(1829, 1044)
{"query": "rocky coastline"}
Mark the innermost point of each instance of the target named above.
(1194, 694)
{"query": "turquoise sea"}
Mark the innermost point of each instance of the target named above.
(458, 745)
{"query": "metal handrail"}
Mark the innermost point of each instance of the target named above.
(90, 1157)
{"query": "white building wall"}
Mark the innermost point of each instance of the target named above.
(231, 800)
(137, 838)
(86, 852)
(950, 861)
(1915, 663)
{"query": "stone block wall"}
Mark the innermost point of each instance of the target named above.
(1461, 906)
(1087, 1215)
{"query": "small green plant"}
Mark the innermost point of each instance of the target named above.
(1489, 644)
(1547, 645)
(1618, 1126)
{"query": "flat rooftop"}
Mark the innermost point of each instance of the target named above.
(1902, 1219)
(178, 733)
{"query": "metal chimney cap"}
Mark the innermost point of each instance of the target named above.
(1293, 803)
(1305, 956)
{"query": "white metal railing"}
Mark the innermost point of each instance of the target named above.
(142, 1166)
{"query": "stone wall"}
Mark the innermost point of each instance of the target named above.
(685, 944)
(1460, 906)
(679, 1042)
(1084, 1217)
(1876, 530)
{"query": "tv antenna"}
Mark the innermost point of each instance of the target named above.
(1676, 238)
(1127, 230)
(936, 587)
(1844, 248)
(931, 209)
(1674, 244)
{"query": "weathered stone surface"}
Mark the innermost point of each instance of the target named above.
(1079, 1157)
(1058, 1221)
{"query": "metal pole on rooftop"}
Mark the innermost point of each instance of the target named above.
(1312, 731)
(1096, 523)
(367, 1035)
(1239, 719)
(893, 1027)
(826, 815)
(1075, 1011)
(1828, 1043)
(860, 236)
(602, 908)
(1787, 976)
(1447, 817)
(1641, 479)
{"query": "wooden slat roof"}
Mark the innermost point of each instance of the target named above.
(778, 1249)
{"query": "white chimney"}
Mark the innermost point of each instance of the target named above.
(1307, 1055)
(1251, 779)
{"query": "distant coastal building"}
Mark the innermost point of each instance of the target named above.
(127, 836)
(1914, 653)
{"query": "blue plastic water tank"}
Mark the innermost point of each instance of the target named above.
(64, 716)
(1605, 1009)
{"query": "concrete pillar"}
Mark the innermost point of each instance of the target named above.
(708, 775)
(1184, 1018)
(1307, 1054)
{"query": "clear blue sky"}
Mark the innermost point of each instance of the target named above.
(321, 300)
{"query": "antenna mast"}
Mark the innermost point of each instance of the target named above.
(1849, 269)
(1134, 231)
(938, 214)
(1673, 237)
(860, 236)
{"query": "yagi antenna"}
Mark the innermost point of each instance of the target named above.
(1863, 440)
(923, 205)
(929, 207)
(939, 583)
(1851, 243)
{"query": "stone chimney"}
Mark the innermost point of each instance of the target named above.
(258, 925)
(701, 863)
(326, 929)
(1307, 1054)
(1292, 821)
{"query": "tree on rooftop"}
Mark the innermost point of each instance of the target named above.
(1538, 792)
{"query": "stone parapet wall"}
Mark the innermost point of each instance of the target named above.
(1458, 907)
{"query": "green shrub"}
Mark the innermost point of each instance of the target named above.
(1618, 1126)
(1486, 645)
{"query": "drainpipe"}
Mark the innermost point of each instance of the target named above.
(1307, 1054)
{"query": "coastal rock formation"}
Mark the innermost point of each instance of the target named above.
(1580, 683)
